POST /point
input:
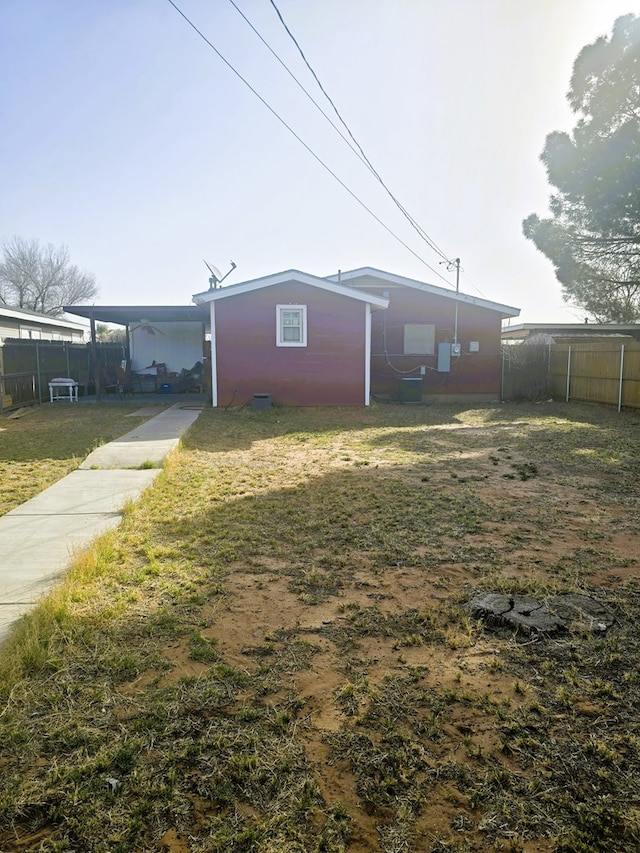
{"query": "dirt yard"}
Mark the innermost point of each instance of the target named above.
(276, 652)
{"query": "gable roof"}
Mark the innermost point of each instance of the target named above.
(285, 278)
(377, 278)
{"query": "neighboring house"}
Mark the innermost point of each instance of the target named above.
(301, 339)
(431, 342)
(30, 325)
(306, 340)
(573, 333)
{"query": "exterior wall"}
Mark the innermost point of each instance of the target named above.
(178, 345)
(330, 370)
(472, 373)
(28, 329)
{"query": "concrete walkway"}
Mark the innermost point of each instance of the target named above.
(39, 539)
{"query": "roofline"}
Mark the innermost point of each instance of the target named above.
(124, 314)
(284, 278)
(526, 327)
(403, 281)
(35, 317)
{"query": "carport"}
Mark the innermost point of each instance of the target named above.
(174, 336)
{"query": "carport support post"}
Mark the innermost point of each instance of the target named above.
(568, 372)
(38, 373)
(94, 359)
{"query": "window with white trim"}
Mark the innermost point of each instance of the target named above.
(419, 339)
(291, 325)
(30, 333)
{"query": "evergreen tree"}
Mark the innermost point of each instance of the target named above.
(592, 236)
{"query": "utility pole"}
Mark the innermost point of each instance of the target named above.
(450, 265)
(456, 261)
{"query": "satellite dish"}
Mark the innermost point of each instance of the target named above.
(216, 276)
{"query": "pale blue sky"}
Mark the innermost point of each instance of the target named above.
(124, 136)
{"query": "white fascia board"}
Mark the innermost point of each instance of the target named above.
(284, 278)
(402, 281)
(40, 319)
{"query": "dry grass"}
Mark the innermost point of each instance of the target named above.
(49, 441)
(273, 652)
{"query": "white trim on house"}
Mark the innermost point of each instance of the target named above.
(33, 318)
(381, 278)
(367, 355)
(288, 277)
(214, 358)
(31, 325)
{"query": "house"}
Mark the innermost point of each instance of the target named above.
(431, 343)
(338, 340)
(24, 324)
(300, 339)
(572, 333)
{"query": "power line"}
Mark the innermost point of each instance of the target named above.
(401, 208)
(296, 81)
(353, 145)
(301, 141)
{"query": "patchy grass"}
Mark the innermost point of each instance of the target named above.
(50, 441)
(273, 652)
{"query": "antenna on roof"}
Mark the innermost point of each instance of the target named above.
(216, 276)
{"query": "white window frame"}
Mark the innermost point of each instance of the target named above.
(280, 310)
(30, 333)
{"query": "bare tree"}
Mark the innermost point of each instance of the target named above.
(42, 278)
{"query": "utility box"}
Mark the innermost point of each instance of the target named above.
(260, 402)
(444, 358)
(410, 390)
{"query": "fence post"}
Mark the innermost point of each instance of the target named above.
(568, 372)
(621, 374)
(39, 380)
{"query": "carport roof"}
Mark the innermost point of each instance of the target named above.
(126, 314)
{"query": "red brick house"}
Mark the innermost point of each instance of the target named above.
(431, 342)
(306, 340)
(300, 339)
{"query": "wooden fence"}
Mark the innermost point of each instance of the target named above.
(27, 366)
(598, 372)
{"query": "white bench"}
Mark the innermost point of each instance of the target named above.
(63, 389)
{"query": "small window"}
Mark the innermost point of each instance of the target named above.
(419, 339)
(291, 325)
(30, 333)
